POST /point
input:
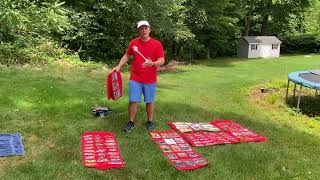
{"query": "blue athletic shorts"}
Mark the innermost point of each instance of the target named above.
(136, 89)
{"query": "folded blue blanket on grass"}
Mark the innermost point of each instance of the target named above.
(11, 144)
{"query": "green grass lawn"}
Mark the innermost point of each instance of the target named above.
(50, 106)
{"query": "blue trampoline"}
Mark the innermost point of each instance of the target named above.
(309, 79)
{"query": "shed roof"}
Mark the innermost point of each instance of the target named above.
(262, 39)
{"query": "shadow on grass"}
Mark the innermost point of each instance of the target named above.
(173, 72)
(223, 62)
(309, 105)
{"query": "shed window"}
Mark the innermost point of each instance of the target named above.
(254, 46)
(274, 46)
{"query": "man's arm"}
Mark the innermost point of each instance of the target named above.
(159, 62)
(123, 61)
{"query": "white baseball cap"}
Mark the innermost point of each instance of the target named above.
(143, 23)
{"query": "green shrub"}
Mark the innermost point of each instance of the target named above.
(41, 51)
(29, 31)
(305, 43)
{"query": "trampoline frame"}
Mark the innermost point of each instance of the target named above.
(294, 77)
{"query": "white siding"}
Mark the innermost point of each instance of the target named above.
(254, 53)
(263, 51)
(268, 52)
(264, 47)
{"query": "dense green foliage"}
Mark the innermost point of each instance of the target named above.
(30, 31)
(101, 30)
(306, 43)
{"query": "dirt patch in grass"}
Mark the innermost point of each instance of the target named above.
(272, 96)
(261, 95)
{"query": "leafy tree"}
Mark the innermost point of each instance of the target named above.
(26, 24)
(310, 20)
(104, 29)
(20, 18)
(215, 24)
(262, 17)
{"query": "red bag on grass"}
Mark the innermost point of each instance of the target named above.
(114, 85)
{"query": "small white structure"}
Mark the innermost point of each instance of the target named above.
(259, 47)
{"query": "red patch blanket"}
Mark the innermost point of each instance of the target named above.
(177, 150)
(100, 150)
(240, 132)
(203, 138)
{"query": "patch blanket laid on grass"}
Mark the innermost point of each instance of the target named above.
(11, 144)
(226, 132)
(204, 138)
(240, 132)
(100, 150)
(177, 150)
(184, 127)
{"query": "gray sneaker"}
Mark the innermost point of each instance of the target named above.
(150, 126)
(129, 127)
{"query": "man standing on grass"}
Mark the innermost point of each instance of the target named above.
(147, 55)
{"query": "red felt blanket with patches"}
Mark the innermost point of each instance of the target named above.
(239, 131)
(100, 150)
(177, 150)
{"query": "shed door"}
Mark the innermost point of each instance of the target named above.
(265, 50)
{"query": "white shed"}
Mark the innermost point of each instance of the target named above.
(259, 47)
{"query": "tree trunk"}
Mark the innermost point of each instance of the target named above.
(264, 24)
(208, 53)
(247, 25)
(190, 52)
(178, 51)
(265, 18)
(174, 49)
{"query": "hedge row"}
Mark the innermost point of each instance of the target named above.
(306, 43)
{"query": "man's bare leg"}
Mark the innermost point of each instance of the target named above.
(132, 107)
(132, 110)
(150, 108)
